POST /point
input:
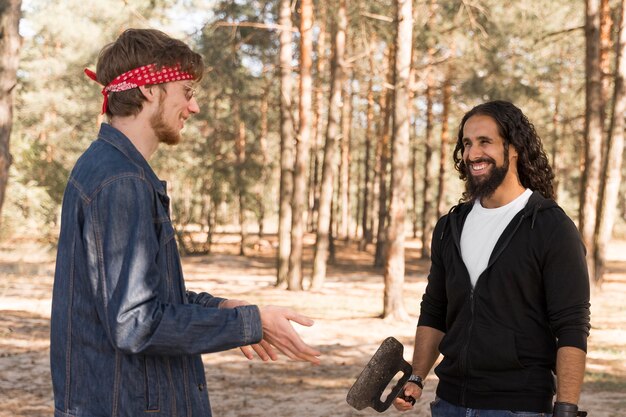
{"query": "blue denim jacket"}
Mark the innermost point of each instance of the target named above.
(126, 336)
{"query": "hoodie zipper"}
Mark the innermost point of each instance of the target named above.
(463, 367)
(463, 360)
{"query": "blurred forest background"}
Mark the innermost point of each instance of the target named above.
(327, 120)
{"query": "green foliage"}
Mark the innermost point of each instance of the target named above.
(528, 52)
(56, 106)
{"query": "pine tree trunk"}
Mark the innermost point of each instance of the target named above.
(612, 171)
(555, 161)
(10, 42)
(344, 164)
(302, 147)
(428, 209)
(286, 145)
(240, 150)
(590, 181)
(414, 193)
(606, 46)
(330, 145)
(359, 201)
(373, 224)
(385, 139)
(211, 221)
(445, 139)
(265, 161)
(318, 122)
(367, 233)
(427, 204)
(394, 265)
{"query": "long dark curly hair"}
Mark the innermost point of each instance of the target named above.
(533, 167)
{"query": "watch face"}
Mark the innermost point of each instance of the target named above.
(417, 380)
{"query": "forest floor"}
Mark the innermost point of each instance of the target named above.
(347, 330)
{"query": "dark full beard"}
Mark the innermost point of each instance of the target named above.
(486, 187)
(166, 134)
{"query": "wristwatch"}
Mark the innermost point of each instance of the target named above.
(417, 380)
(567, 410)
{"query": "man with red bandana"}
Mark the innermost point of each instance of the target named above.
(126, 335)
(507, 300)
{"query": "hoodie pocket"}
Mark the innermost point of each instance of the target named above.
(493, 348)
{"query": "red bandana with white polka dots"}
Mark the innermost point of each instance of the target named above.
(137, 77)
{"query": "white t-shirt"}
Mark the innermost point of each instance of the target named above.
(482, 229)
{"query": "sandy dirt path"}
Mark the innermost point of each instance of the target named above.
(347, 331)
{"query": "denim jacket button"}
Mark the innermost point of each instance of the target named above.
(200, 387)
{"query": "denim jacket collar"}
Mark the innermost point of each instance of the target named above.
(120, 141)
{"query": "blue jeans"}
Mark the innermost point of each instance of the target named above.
(441, 408)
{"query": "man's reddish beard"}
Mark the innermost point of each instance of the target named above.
(166, 134)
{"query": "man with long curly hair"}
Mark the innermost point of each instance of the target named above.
(507, 300)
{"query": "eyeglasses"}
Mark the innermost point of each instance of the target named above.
(190, 92)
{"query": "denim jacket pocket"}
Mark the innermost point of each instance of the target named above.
(151, 380)
(165, 230)
(167, 258)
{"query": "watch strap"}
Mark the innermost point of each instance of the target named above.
(562, 409)
(417, 380)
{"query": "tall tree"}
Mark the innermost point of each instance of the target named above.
(428, 209)
(318, 120)
(383, 151)
(286, 144)
(394, 265)
(240, 154)
(302, 147)
(333, 129)
(343, 223)
(265, 158)
(612, 171)
(590, 183)
(369, 116)
(427, 180)
(445, 138)
(10, 42)
(606, 45)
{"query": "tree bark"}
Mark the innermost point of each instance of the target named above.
(415, 215)
(211, 222)
(428, 209)
(556, 135)
(240, 150)
(302, 147)
(384, 138)
(10, 42)
(427, 203)
(606, 45)
(286, 145)
(330, 145)
(344, 164)
(367, 234)
(590, 181)
(359, 188)
(445, 139)
(318, 121)
(612, 171)
(394, 265)
(265, 160)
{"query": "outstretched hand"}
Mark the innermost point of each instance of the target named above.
(278, 332)
(263, 349)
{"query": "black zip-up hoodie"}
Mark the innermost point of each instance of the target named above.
(501, 337)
